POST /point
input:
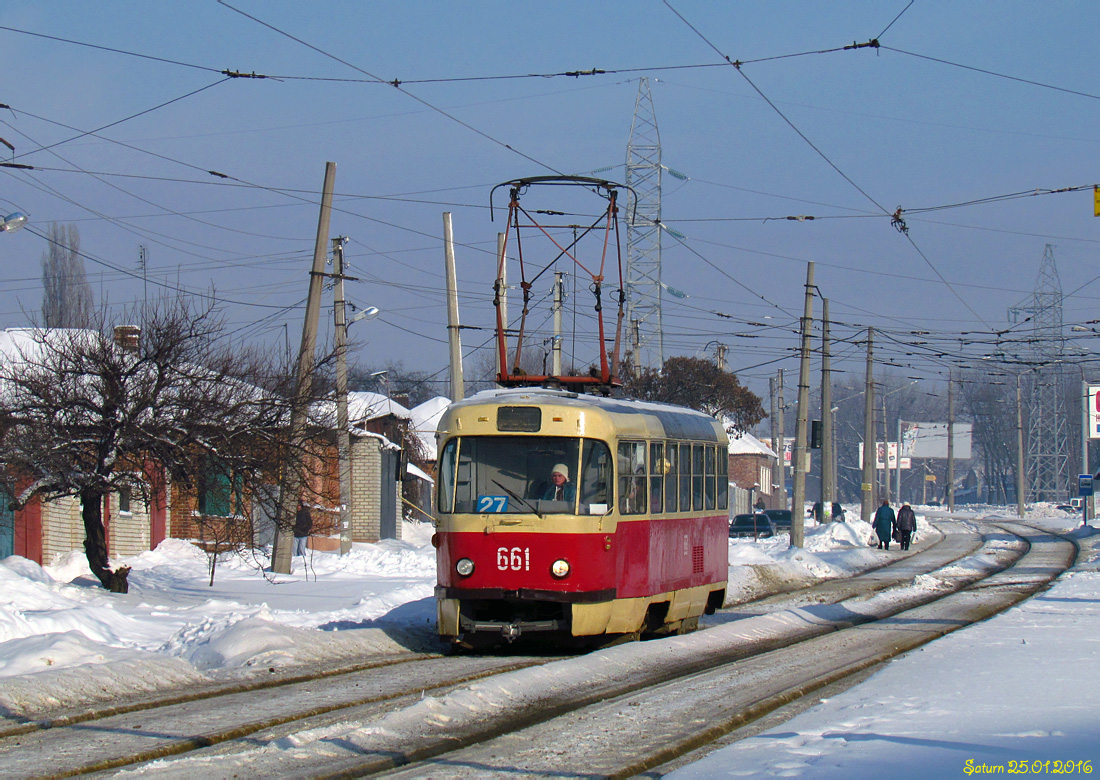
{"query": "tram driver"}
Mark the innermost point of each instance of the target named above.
(559, 488)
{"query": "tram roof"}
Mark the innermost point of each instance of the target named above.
(677, 421)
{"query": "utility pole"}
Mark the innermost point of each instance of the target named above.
(635, 347)
(897, 471)
(559, 292)
(802, 423)
(454, 337)
(343, 440)
(885, 449)
(1020, 488)
(950, 441)
(1085, 500)
(292, 478)
(503, 266)
(828, 490)
(143, 261)
(782, 442)
(867, 505)
(777, 440)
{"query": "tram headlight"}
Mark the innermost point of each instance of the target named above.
(559, 569)
(465, 567)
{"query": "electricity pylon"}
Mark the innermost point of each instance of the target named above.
(1048, 442)
(643, 220)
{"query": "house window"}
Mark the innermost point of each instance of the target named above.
(219, 492)
(765, 480)
(124, 500)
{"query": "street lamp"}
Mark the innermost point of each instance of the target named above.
(13, 222)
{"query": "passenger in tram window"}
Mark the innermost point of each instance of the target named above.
(560, 488)
(671, 476)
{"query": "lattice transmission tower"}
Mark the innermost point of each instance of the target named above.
(1048, 440)
(643, 247)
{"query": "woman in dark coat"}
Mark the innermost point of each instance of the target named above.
(884, 525)
(907, 523)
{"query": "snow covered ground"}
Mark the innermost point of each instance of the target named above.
(1020, 686)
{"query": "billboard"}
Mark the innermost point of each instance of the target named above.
(892, 448)
(1094, 412)
(929, 440)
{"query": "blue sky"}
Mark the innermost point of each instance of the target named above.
(898, 129)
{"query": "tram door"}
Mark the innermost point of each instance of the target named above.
(7, 527)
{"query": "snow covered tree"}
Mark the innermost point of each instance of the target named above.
(91, 412)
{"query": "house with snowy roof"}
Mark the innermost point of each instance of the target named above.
(139, 519)
(752, 465)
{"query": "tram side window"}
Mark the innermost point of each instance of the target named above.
(672, 492)
(446, 500)
(723, 479)
(697, 477)
(632, 477)
(657, 467)
(597, 479)
(708, 486)
(685, 477)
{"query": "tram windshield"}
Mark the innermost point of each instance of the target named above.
(525, 475)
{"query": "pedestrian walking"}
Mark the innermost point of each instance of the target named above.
(303, 526)
(907, 524)
(884, 525)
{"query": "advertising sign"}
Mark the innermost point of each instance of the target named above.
(929, 440)
(1094, 412)
(895, 462)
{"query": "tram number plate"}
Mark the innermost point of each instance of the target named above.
(492, 503)
(514, 558)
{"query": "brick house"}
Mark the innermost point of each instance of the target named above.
(752, 466)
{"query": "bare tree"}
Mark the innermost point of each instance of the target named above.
(66, 295)
(87, 414)
(698, 384)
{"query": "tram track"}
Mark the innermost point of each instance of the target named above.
(442, 679)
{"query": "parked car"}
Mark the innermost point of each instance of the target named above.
(756, 525)
(781, 519)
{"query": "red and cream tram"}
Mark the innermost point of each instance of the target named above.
(633, 542)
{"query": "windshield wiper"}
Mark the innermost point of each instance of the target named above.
(517, 498)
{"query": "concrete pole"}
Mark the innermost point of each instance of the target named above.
(343, 435)
(454, 337)
(1020, 487)
(885, 451)
(776, 438)
(828, 489)
(559, 290)
(782, 442)
(636, 347)
(951, 441)
(503, 265)
(292, 480)
(867, 504)
(802, 422)
(897, 471)
(1085, 500)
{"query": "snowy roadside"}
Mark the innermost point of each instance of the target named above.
(64, 641)
(1013, 695)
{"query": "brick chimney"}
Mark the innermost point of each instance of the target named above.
(128, 337)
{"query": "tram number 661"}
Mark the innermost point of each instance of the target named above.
(514, 559)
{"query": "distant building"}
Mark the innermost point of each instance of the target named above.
(752, 465)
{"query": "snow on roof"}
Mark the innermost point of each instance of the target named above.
(425, 420)
(747, 444)
(416, 471)
(364, 406)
